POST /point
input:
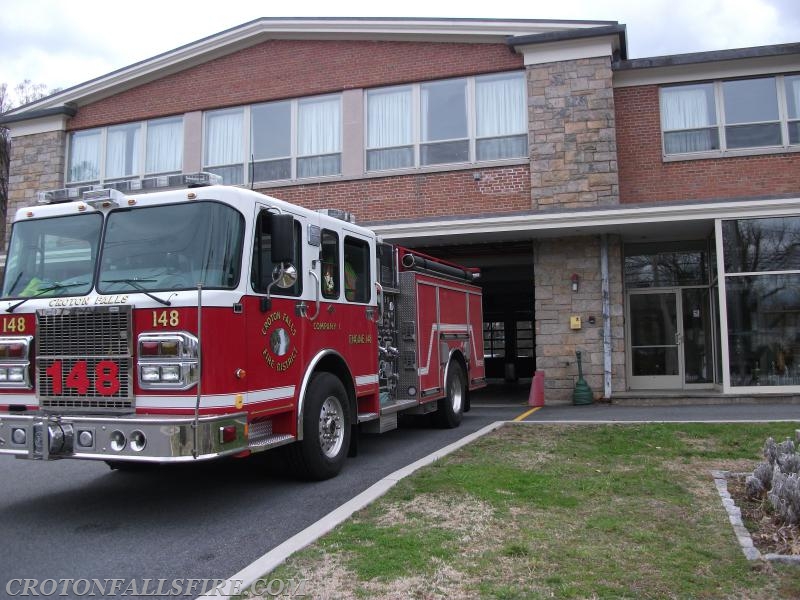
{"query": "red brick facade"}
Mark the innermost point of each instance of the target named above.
(280, 69)
(645, 177)
(499, 190)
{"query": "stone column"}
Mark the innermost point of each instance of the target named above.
(571, 122)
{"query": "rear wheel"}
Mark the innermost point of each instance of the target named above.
(451, 407)
(326, 430)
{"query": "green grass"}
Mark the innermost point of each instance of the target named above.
(554, 511)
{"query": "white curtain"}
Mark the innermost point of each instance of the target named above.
(793, 90)
(224, 137)
(389, 130)
(319, 127)
(686, 108)
(164, 146)
(389, 119)
(500, 107)
(122, 151)
(319, 135)
(84, 156)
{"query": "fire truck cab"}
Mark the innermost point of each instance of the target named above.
(212, 321)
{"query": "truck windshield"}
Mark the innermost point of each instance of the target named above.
(52, 257)
(171, 247)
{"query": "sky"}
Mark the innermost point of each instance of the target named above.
(61, 43)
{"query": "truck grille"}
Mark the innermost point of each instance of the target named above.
(83, 358)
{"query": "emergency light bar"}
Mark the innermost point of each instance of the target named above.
(87, 192)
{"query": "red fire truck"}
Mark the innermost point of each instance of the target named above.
(212, 321)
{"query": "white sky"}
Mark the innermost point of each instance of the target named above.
(64, 43)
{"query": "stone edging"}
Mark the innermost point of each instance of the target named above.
(742, 534)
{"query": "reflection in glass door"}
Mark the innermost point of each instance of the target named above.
(670, 338)
(654, 340)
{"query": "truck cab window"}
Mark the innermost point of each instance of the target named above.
(356, 270)
(329, 257)
(262, 271)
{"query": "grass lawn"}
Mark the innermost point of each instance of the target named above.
(556, 511)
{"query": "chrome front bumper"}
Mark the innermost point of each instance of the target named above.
(130, 438)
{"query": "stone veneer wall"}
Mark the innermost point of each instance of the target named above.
(37, 163)
(556, 260)
(572, 129)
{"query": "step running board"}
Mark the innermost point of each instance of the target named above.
(269, 441)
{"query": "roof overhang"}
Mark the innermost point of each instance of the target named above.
(635, 223)
(555, 46)
(260, 30)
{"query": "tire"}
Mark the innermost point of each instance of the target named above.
(326, 430)
(451, 408)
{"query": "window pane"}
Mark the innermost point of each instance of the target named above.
(764, 329)
(663, 269)
(793, 96)
(319, 127)
(699, 140)
(500, 105)
(393, 158)
(231, 175)
(750, 100)
(224, 131)
(318, 166)
(329, 257)
(748, 136)
(752, 245)
(272, 130)
(688, 107)
(261, 276)
(444, 110)
(84, 155)
(164, 146)
(497, 148)
(356, 270)
(271, 170)
(444, 152)
(122, 150)
(389, 118)
(794, 132)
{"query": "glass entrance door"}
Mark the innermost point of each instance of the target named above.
(654, 349)
(669, 339)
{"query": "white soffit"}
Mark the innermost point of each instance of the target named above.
(746, 67)
(40, 125)
(537, 54)
(548, 224)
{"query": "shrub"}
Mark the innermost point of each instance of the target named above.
(778, 480)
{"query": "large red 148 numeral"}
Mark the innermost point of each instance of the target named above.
(106, 374)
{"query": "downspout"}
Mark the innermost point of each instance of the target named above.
(606, 317)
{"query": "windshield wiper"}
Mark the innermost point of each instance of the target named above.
(55, 286)
(135, 283)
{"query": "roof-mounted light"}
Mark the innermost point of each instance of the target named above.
(105, 198)
(201, 179)
(57, 196)
(338, 213)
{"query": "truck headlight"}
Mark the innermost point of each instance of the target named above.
(168, 360)
(15, 362)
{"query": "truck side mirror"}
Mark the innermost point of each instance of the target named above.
(282, 244)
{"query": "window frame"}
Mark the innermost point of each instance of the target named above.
(721, 125)
(472, 138)
(103, 148)
(249, 135)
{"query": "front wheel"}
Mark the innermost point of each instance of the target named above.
(451, 408)
(326, 430)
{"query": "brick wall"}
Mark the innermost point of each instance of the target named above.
(279, 69)
(573, 144)
(554, 263)
(499, 190)
(645, 177)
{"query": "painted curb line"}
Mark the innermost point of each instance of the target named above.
(245, 578)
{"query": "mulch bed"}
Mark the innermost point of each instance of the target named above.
(768, 536)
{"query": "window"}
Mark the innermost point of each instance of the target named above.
(329, 257)
(356, 270)
(224, 145)
(262, 272)
(735, 115)
(449, 121)
(793, 107)
(126, 151)
(525, 339)
(272, 141)
(494, 339)
(275, 141)
(389, 129)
